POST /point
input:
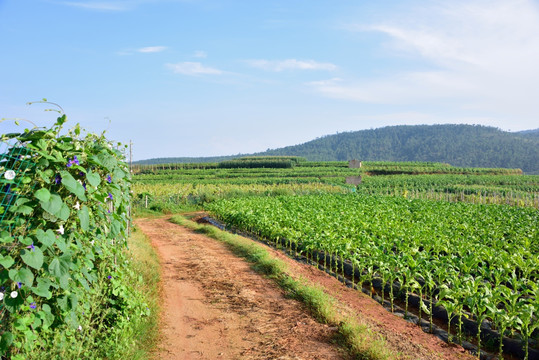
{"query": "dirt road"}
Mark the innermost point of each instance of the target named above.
(216, 307)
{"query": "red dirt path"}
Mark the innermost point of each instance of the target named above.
(216, 307)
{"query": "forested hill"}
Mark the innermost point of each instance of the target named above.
(458, 145)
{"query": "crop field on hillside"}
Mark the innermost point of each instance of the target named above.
(463, 239)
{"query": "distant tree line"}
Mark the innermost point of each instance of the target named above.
(458, 145)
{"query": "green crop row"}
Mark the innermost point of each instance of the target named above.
(481, 260)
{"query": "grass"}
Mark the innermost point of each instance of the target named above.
(360, 341)
(145, 262)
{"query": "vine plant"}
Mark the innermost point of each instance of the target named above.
(62, 243)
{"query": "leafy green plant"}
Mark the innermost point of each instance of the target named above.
(63, 265)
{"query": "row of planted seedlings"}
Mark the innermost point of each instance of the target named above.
(62, 243)
(479, 262)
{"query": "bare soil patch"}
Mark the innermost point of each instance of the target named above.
(214, 306)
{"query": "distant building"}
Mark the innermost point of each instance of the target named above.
(353, 180)
(354, 164)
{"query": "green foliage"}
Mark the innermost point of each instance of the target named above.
(63, 268)
(272, 162)
(393, 238)
(459, 145)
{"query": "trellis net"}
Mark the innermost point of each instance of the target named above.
(16, 165)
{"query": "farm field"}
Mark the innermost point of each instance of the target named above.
(459, 238)
(213, 296)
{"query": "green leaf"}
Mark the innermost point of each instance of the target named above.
(5, 342)
(42, 195)
(42, 288)
(46, 238)
(6, 261)
(53, 205)
(13, 304)
(46, 315)
(84, 218)
(64, 212)
(26, 240)
(22, 275)
(72, 320)
(21, 201)
(118, 174)
(58, 267)
(425, 308)
(6, 238)
(73, 185)
(63, 303)
(49, 217)
(93, 178)
(107, 160)
(33, 258)
(23, 209)
(116, 227)
(61, 243)
(84, 283)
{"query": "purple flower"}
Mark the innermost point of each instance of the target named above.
(109, 178)
(58, 178)
(109, 277)
(33, 305)
(75, 161)
(110, 196)
(84, 185)
(31, 247)
(19, 284)
(81, 174)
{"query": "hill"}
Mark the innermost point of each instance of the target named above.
(458, 145)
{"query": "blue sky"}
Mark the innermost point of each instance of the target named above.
(222, 77)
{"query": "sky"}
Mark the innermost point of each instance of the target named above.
(190, 78)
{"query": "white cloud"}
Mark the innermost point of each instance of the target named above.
(481, 54)
(290, 64)
(200, 54)
(99, 5)
(193, 68)
(152, 49)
